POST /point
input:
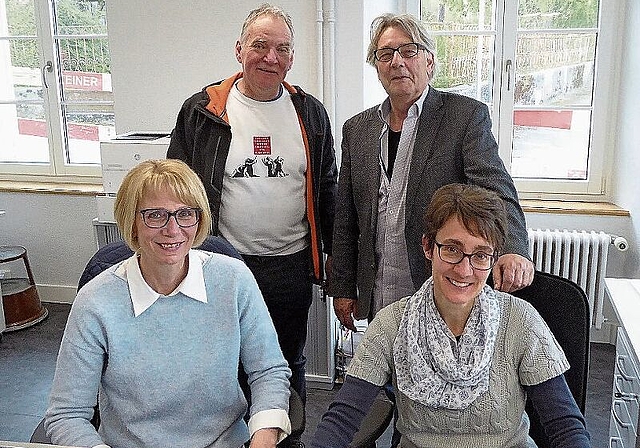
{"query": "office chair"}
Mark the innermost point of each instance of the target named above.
(117, 251)
(565, 308)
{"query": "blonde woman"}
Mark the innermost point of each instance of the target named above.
(155, 341)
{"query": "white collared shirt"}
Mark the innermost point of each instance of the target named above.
(143, 296)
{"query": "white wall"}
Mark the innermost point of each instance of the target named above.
(165, 50)
(57, 232)
(626, 182)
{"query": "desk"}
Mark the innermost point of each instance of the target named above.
(624, 426)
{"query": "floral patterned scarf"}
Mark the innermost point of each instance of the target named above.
(432, 366)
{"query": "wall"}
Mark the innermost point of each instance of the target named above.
(163, 51)
(57, 232)
(626, 182)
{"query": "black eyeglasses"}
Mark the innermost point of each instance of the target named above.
(157, 218)
(452, 255)
(407, 51)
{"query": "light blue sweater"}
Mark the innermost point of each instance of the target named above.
(169, 377)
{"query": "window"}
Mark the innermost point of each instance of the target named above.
(56, 101)
(536, 65)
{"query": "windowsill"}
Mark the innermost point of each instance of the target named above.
(76, 189)
(572, 207)
(528, 205)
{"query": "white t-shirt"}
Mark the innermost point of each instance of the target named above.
(263, 210)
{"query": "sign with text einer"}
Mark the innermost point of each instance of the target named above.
(82, 80)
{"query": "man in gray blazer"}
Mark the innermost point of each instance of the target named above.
(394, 157)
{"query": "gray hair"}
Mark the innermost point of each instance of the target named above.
(266, 9)
(407, 23)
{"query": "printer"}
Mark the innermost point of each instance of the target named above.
(118, 156)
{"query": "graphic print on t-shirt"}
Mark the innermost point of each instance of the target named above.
(274, 166)
(246, 169)
(261, 145)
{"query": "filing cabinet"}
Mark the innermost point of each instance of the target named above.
(624, 423)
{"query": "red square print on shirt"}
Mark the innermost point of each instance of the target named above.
(261, 146)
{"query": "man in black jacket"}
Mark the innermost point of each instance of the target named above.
(230, 133)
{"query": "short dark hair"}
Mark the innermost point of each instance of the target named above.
(481, 211)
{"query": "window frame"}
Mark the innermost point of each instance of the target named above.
(56, 171)
(602, 136)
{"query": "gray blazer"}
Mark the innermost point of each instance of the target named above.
(454, 144)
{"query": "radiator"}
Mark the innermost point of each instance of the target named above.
(578, 255)
(105, 232)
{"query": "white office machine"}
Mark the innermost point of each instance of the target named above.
(118, 156)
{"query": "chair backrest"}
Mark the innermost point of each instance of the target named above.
(565, 308)
(116, 251)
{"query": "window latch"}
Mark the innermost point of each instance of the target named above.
(48, 67)
(507, 69)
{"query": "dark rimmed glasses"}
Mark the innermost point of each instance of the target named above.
(156, 218)
(478, 260)
(407, 51)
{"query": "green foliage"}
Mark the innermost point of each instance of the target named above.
(558, 13)
(457, 55)
(577, 13)
(73, 17)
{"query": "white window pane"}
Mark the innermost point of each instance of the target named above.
(537, 14)
(555, 69)
(20, 18)
(24, 135)
(464, 64)
(85, 54)
(85, 126)
(20, 77)
(550, 144)
(455, 14)
(80, 17)
(19, 53)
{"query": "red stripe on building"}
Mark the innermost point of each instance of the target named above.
(82, 80)
(560, 119)
(38, 128)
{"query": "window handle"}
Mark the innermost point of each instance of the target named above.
(48, 67)
(507, 68)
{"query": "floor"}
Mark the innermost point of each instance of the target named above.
(27, 363)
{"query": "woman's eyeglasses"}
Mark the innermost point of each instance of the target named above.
(452, 255)
(157, 218)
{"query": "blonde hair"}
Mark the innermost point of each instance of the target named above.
(154, 176)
